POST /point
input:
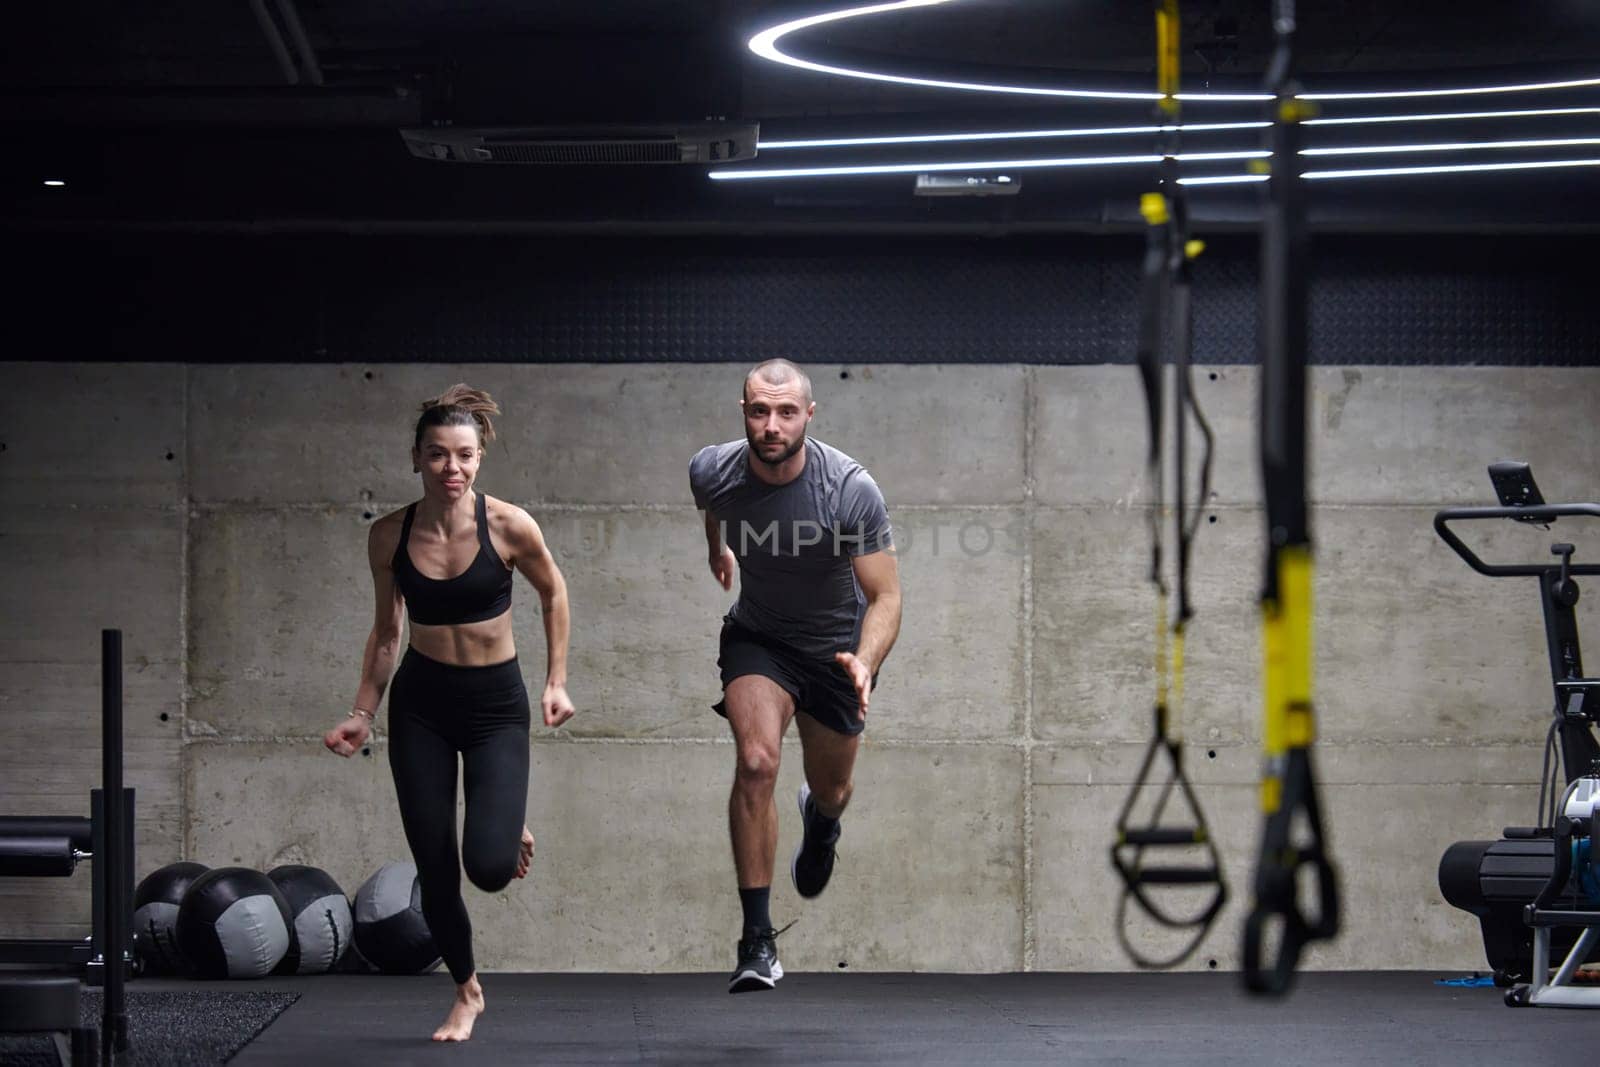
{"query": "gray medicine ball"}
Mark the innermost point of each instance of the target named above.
(155, 916)
(233, 923)
(321, 923)
(391, 933)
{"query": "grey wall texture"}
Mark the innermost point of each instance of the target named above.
(217, 514)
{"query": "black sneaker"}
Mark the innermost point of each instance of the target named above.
(812, 864)
(758, 967)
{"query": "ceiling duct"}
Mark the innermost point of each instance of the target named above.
(699, 142)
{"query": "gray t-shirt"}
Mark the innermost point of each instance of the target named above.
(794, 542)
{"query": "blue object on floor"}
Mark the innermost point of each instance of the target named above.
(1469, 980)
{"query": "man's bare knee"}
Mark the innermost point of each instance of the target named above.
(757, 770)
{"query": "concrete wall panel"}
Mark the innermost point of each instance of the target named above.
(1413, 644)
(1090, 435)
(929, 435)
(1414, 435)
(1377, 435)
(91, 434)
(281, 605)
(646, 613)
(73, 572)
(957, 669)
(1094, 620)
(592, 434)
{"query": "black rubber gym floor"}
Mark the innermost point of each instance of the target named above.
(1382, 1018)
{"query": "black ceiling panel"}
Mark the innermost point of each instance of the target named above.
(191, 116)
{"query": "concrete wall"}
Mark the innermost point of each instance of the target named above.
(217, 514)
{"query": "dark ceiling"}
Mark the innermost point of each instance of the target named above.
(183, 116)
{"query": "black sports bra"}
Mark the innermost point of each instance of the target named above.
(482, 591)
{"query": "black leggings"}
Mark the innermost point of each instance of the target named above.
(437, 710)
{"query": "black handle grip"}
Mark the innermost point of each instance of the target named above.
(1178, 876)
(1163, 835)
(1298, 931)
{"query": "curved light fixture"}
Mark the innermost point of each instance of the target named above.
(765, 44)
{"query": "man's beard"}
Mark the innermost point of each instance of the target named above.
(760, 457)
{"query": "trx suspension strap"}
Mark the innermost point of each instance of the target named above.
(1166, 321)
(1292, 837)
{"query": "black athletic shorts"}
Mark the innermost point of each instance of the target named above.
(820, 688)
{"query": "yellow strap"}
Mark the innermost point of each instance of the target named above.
(1161, 648)
(1286, 645)
(1298, 110)
(1175, 713)
(1271, 794)
(1167, 66)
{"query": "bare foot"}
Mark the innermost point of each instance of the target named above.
(525, 854)
(463, 1013)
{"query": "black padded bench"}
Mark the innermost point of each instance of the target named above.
(32, 1004)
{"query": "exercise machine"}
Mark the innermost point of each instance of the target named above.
(53, 846)
(1533, 890)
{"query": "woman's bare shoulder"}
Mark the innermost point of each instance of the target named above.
(384, 533)
(512, 524)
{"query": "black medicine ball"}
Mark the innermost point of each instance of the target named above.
(391, 933)
(321, 924)
(155, 916)
(233, 923)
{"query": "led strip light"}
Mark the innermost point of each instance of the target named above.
(988, 164)
(765, 45)
(1006, 135)
(1382, 172)
(1182, 157)
(1151, 131)
(1455, 146)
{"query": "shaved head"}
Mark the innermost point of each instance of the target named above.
(777, 406)
(779, 372)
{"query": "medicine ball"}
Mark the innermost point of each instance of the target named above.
(233, 923)
(319, 930)
(391, 933)
(155, 914)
